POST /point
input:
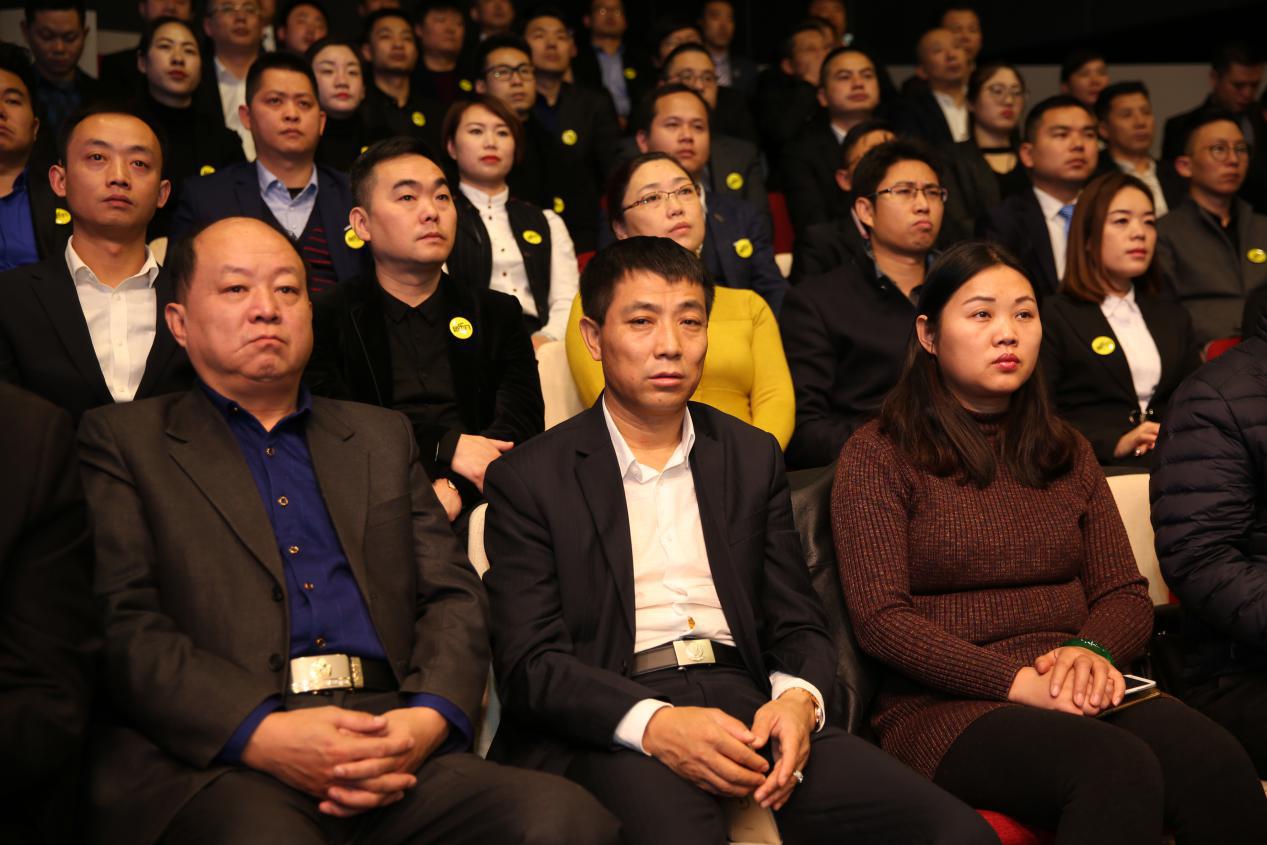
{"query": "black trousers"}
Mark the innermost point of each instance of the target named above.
(1118, 780)
(853, 792)
(458, 798)
(1238, 703)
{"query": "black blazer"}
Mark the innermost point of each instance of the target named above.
(494, 369)
(973, 190)
(808, 175)
(49, 627)
(825, 246)
(561, 591)
(640, 75)
(1095, 392)
(49, 215)
(733, 117)
(234, 191)
(919, 116)
(729, 157)
(1017, 223)
(45, 346)
(784, 104)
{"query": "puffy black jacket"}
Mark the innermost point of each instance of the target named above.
(1209, 510)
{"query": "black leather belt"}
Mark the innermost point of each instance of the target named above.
(682, 653)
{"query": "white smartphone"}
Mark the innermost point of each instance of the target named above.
(1135, 684)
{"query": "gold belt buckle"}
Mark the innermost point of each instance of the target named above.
(693, 652)
(325, 672)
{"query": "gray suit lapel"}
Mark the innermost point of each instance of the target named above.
(342, 470)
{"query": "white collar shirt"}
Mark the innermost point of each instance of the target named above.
(291, 211)
(232, 95)
(1149, 177)
(1055, 228)
(956, 115)
(121, 321)
(1137, 344)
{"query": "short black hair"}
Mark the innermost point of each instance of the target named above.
(860, 131)
(1060, 101)
(277, 61)
(501, 41)
(1204, 118)
(547, 10)
(17, 61)
(382, 14)
(958, 6)
(1234, 53)
(873, 167)
(361, 174)
(682, 49)
(329, 41)
(789, 41)
(105, 106)
(840, 50)
(151, 27)
(1104, 102)
(620, 178)
(663, 257)
(426, 7)
(34, 6)
(644, 114)
(665, 25)
(283, 12)
(1076, 59)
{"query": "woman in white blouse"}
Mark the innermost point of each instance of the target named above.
(1113, 351)
(505, 243)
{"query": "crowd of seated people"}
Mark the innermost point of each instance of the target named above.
(297, 287)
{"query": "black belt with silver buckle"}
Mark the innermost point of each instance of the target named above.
(680, 654)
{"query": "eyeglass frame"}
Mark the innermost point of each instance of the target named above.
(663, 196)
(1243, 150)
(1016, 93)
(942, 193)
(524, 71)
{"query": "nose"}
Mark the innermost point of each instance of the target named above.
(118, 172)
(264, 306)
(668, 342)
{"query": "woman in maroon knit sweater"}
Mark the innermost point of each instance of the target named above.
(984, 562)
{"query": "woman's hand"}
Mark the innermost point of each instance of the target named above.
(1033, 689)
(1092, 682)
(1138, 441)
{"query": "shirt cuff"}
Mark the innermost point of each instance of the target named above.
(231, 754)
(781, 682)
(634, 724)
(460, 735)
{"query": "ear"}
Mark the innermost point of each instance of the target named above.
(822, 95)
(451, 149)
(920, 72)
(142, 63)
(174, 313)
(1183, 166)
(1214, 76)
(1064, 87)
(1026, 155)
(35, 127)
(787, 67)
(360, 221)
(865, 210)
(244, 115)
(843, 181)
(590, 333)
(480, 87)
(206, 27)
(366, 54)
(57, 180)
(924, 333)
(164, 192)
(321, 124)
(1103, 129)
(619, 230)
(640, 137)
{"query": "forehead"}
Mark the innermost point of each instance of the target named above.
(910, 170)
(1131, 198)
(1093, 66)
(479, 114)
(13, 82)
(870, 141)
(1133, 100)
(58, 21)
(1003, 74)
(545, 24)
(691, 60)
(808, 39)
(659, 172)
(407, 167)
(117, 130)
(680, 104)
(999, 282)
(305, 9)
(1066, 116)
(960, 17)
(936, 39)
(335, 53)
(850, 60)
(1219, 130)
(441, 16)
(286, 81)
(242, 248)
(506, 56)
(1244, 72)
(644, 285)
(392, 25)
(174, 31)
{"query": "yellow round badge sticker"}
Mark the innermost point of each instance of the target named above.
(61, 216)
(1103, 345)
(630, 73)
(206, 170)
(465, 85)
(1256, 255)
(559, 205)
(364, 148)
(418, 118)
(569, 137)
(734, 181)
(461, 328)
(743, 248)
(352, 239)
(531, 236)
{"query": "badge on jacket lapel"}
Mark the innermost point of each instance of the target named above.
(1256, 255)
(743, 248)
(206, 170)
(631, 74)
(1103, 345)
(569, 137)
(465, 85)
(461, 328)
(418, 118)
(532, 236)
(734, 181)
(559, 205)
(61, 216)
(352, 239)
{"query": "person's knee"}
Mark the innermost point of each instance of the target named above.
(964, 827)
(1125, 767)
(243, 809)
(561, 811)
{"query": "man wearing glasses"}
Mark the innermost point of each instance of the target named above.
(1213, 247)
(393, 106)
(845, 332)
(235, 28)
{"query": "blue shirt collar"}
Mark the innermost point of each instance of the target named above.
(233, 411)
(270, 183)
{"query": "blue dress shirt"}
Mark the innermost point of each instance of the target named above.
(17, 229)
(611, 67)
(291, 212)
(328, 614)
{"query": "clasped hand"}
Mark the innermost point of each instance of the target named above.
(350, 760)
(1071, 680)
(718, 753)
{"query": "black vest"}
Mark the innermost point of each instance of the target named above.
(472, 257)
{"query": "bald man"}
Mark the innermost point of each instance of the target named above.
(324, 685)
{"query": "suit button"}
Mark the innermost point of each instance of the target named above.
(275, 662)
(277, 594)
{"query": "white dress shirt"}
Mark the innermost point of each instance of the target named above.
(121, 321)
(674, 594)
(1055, 228)
(1149, 178)
(232, 95)
(1137, 343)
(509, 273)
(956, 115)
(840, 134)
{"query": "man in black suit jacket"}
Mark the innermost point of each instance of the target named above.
(1060, 149)
(394, 103)
(455, 357)
(937, 114)
(604, 35)
(735, 71)
(235, 33)
(787, 93)
(84, 327)
(655, 633)
(284, 187)
(323, 686)
(691, 64)
(56, 31)
(49, 630)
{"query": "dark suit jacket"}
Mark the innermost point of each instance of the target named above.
(1017, 223)
(974, 190)
(733, 116)
(730, 222)
(45, 346)
(1095, 392)
(49, 629)
(121, 70)
(561, 580)
(825, 246)
(494, 370)
(1254, 189)
(729, 157)
(919, 116)
(640, 75)
(808, 169)
(234, 191)
(50, 234)
(784, 104)
(189, 657)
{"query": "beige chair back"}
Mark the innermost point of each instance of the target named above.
(1131, 494)
(557, 387)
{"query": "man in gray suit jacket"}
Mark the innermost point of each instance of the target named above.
(296, 645)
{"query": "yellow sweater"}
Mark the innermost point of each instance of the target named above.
(745, 373)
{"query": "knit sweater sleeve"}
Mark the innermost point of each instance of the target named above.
(1121, 613)
(871, 502)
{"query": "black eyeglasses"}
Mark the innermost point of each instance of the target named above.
(655, 199)
(905, 192)
(499, 72)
